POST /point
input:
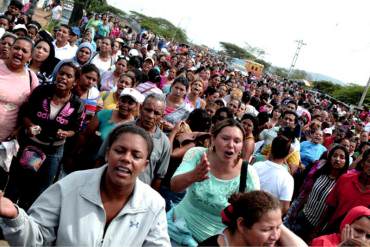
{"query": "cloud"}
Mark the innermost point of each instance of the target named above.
(336, 32)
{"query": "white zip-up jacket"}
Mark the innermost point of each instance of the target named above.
(71, 213)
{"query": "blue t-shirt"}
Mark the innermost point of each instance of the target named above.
(311, 152)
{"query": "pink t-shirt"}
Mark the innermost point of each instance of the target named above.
(14, 90)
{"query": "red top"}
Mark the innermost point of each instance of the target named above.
(335, 239)
(331, 240)
(346, 194)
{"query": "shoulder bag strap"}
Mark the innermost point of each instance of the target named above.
(243, 176)
(30, 78)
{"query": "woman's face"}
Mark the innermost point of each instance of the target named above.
(127, 158)
(364, 137)
(197, 88)
(276, 114)
(20, 54)
(88, 80)
(121, 66)
(172, 73)
(83, 55)
(338, 160)
(346, 143)
(65, 79)
(124, 82)
(317, 137)
(203, 75)
(190, 76)
(228, 143)
(233, 105)
(265, 232)
(127, 106)
(222, 91)
(116, 47)
(178, 90)
(5, 45)
(361, 229)
(41, 51)
(248, 126)
(352, 147)
(106, 46)
(32, 32)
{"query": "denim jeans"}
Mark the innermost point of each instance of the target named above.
(171, 198)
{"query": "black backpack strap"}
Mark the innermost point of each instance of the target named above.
(30, 78)
(243, 176)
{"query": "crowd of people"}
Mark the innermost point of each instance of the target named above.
(121, 138)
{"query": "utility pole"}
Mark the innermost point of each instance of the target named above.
(364, 93)
(299, 46)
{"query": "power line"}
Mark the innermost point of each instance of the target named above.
(299, 46)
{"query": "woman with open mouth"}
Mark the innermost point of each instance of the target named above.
(195, 94)
(107, 206)
(51, 115)
(209, 177)
(177, 109)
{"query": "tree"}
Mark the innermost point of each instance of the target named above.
(299, 74)
(233, 50)
(254, 50)
(98, 6)
(281, 72)
(350, 94)
(326, 86)
(161, 27)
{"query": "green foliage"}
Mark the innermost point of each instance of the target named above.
(326, 87)
(101, 6)
(280, 72)
(161, 27)
(350, 94)
(299, 74)
(233, 50)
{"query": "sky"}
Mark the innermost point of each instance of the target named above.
(336, 33)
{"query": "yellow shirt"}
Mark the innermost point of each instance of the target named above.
(109, 103)
(293, 159)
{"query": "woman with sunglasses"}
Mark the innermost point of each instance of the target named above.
(102, 124)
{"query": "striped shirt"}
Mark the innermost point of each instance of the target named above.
(316, 202)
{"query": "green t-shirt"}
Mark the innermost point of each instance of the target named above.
(105, 123)
(202, 205)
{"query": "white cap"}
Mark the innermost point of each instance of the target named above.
(328, 131)
(133, 53)
(150, 59)
(134, 94)
(20, 27)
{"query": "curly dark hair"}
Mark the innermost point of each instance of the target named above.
(251, 206)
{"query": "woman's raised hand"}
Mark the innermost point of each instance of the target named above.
(200, 172)
(7, 208)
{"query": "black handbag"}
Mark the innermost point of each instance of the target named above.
(243, 177)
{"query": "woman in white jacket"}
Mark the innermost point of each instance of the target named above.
(107, 206)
